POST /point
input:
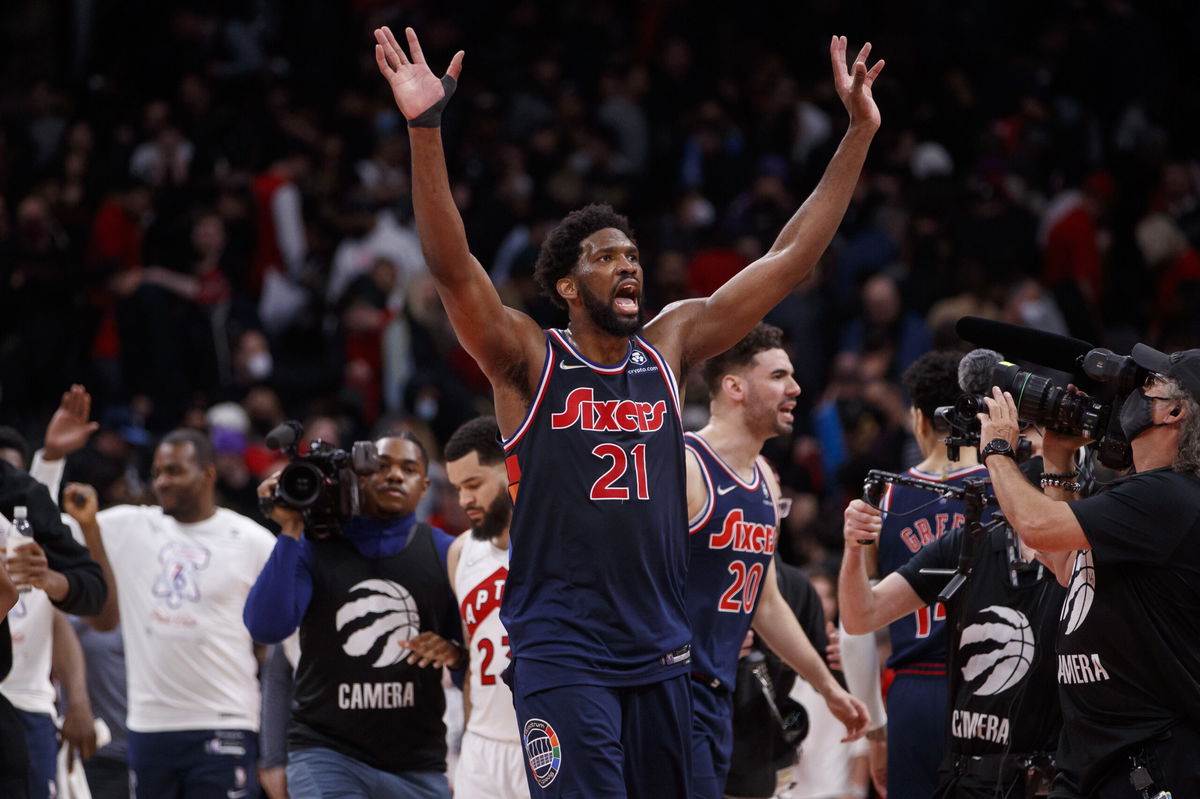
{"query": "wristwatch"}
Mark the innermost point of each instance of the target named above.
(997, 446)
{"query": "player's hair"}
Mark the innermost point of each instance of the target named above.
(408, 435)
(1187, 460)
(560, 251)
(932, 381)
(762, 337)
(202, 447)
(11, 439)
(481, 436)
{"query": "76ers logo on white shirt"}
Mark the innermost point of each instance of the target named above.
(179, 580)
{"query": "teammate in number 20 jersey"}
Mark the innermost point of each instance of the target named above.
(731, 577)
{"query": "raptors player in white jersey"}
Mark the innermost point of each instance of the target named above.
(492, 763)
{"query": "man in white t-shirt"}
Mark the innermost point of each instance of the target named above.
(492, 762)
(177, 582)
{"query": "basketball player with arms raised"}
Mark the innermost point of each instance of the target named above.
(594, 604)
(732, 498)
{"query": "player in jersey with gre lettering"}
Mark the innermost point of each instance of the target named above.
(732, 507)
(594, 603)
(492, 763)
(912, 520)
(179, 574)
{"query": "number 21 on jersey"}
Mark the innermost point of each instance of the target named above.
(613, 484)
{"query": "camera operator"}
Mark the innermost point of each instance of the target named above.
(367, 714)
(1129, 635)
(915, 519)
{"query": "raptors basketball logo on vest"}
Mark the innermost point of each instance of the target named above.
(377, 617)
(996, 653)
(1081, 667)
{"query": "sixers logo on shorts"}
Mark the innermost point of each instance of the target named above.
(542, 750)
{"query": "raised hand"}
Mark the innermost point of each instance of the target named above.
(414, 86)
(853, 85)
(69, 428)
(80, 500)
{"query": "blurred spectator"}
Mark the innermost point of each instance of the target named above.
(884, 335)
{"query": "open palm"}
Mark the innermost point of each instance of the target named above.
(414, 85)
(854, 84)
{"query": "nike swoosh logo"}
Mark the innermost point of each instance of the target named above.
(565, 365)
(722, 491)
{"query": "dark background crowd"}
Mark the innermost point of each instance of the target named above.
(205, 211)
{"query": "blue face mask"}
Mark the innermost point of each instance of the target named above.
(1137, 414)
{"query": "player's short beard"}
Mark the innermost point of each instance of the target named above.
(496, 517)
(605, 318)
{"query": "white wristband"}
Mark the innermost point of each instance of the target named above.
(860, 664)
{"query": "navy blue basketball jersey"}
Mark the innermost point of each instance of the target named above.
(599, 527)
(919, 640)
(732, 542)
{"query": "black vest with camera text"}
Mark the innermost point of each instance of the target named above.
(354, 692)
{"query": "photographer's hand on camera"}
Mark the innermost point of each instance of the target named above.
(1043, 523)
(861, 523)
(1000, 422)
(290, 521)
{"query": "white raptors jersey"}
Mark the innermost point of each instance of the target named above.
(479, 585)
(28, 685)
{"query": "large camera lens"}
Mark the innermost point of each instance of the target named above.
(1047, 405)
(300, 485)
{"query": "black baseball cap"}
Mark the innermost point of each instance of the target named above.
(1183, 367)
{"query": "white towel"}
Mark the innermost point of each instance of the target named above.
(72, 782)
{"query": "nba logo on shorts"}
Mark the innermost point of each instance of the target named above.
(542, 750)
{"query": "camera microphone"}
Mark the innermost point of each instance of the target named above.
(284, 436)
(1051, 350)
(975, 371)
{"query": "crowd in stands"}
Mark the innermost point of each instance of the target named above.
(205, 216)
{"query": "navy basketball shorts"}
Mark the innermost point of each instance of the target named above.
(606, 742)
(194, 764)
(712, 740)
(916, 708)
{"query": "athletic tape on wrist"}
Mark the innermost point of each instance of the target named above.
(432, 117)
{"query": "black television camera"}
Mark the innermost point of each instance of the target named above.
(963, 420)
(323, 483)
(1039, 401)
